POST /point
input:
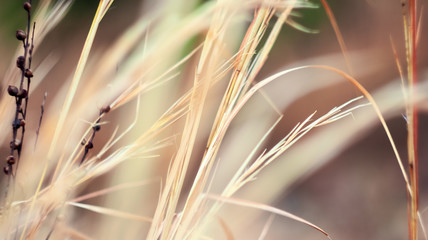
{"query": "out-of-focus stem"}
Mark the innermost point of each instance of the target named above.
(412, 138)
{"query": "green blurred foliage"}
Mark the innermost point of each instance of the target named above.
(311, 17)
(12, 17)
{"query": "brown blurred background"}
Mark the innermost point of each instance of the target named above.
(355, 193)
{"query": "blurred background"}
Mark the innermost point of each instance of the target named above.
(342, 177)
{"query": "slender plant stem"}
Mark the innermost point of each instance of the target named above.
(19, 94)
(412, 138)
(42, 111)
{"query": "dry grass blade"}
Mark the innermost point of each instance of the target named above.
(75, 234)
(246, 68)
(412, 118)
(113, 189)
(164, 215)
(268, 157)
(245, 163)
(187, 110)
(378, 113)
(69, 98)
(110, 212)
(263, 207)
(266, 227)
(400, 70)
(102, 9)
(338, 34)
(226, 229)
(248, 172)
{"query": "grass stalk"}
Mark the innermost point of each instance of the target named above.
(412, 117)
(159, 170)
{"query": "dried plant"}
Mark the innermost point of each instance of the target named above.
(134, 143)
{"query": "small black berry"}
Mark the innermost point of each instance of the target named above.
(18, 123)
(27, 6)
(10, 160)
(22, 93)
(28, 73)
(89, 146)
(20, 62)
(15, 124)
(12, 90)
(105, 109)
(96, 128)
(20, 35)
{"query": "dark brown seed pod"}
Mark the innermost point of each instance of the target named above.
(105, 109)
(12, 90)
(20, 35)
(22, 93)
(10, 160)
(96, 128)
(28, 73)
(20, 62)
(27, 6)
(18, 123)
(89, 146)
(16, 144)
(7, 170)
(21, 122)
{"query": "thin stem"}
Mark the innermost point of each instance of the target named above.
(24, 112)
(42, 111)
(412, 137)
(89, 144)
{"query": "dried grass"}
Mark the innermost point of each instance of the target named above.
(175, 89)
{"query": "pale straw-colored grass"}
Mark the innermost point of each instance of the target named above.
(161, 168)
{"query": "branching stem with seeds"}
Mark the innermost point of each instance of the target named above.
(89, 144)
(21, 93)
(42, 111)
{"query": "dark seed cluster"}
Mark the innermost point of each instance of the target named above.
(20, 93)
(89, 144)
